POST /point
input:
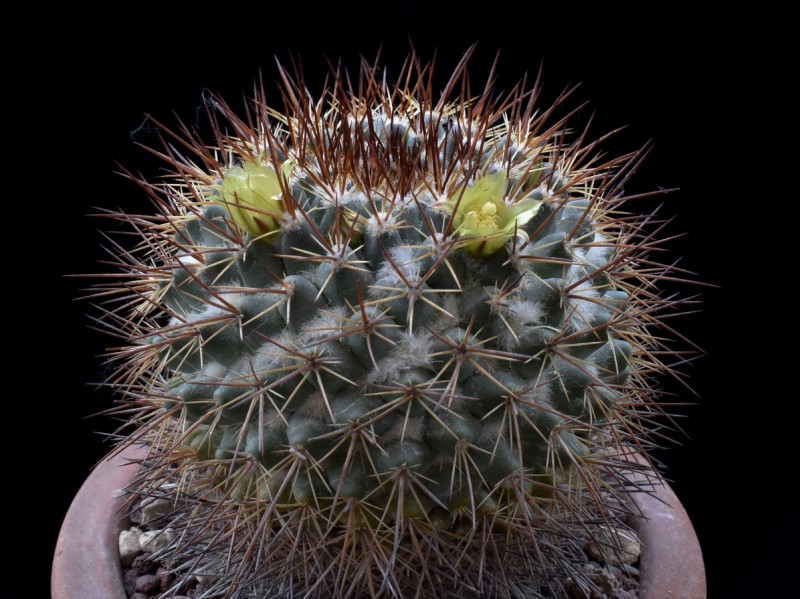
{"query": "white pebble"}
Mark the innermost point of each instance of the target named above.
(206, 579)
(614, 547)
(129, 545)
(155, 540)
(154, 509)
(150, 510)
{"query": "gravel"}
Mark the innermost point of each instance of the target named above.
(147, 577)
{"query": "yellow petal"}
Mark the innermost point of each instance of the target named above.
(523, 211)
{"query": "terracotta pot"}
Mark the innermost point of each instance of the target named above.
(671, 564)
(86, 564)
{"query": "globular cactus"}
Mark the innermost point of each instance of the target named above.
(386, 346)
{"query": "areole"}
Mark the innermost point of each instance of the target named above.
(86, 564)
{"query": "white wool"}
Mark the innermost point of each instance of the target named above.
(387, 215)
(521, 318)
(404, 259)
(230, 299)
(212, 314)
(241, 371)
(353, 197)
(581, 307)
(274, 354)
(214, 370)
(434, 247)
(324, 325)
(413, 350)
(404, 202)
(380, 224)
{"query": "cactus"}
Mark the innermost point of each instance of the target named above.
(380, 345)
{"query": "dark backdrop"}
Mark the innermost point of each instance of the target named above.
(695, 86)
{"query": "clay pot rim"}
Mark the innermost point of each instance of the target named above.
(671, 566)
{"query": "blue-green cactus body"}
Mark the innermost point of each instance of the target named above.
(435, 351)
(402, 341)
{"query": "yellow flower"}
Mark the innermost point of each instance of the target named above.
(484, 216)
(252, 194)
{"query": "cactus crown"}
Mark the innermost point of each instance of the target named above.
(387, 345)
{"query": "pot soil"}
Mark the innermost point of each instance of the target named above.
(87, 564)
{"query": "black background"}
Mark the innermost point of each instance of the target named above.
(696, 86)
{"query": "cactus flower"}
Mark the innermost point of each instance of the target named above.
(485, 218)
(252, 194)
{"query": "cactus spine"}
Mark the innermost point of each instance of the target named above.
(389, 346)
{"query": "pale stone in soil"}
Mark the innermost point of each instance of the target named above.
(150, 510)
(615, 547)
(155, 540)
(129, 545)
(607, 581)
(205, 579)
